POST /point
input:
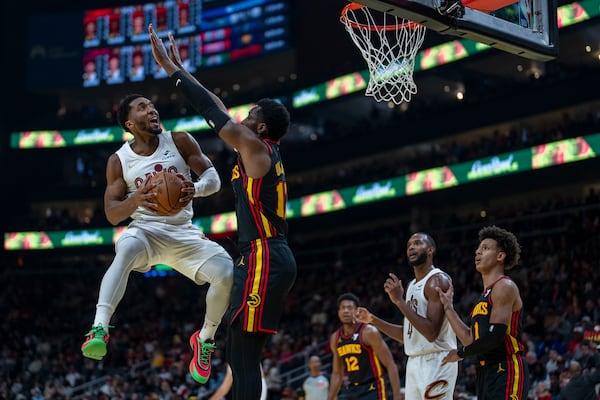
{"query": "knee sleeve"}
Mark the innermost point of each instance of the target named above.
(131, 254)
(218, 272)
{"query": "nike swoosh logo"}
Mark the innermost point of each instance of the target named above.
(178, 82)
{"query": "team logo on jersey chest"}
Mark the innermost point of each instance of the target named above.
(480, 309)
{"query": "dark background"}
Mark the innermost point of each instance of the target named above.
(499, 87)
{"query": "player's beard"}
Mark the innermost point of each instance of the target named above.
(419, 260)
(156, 131)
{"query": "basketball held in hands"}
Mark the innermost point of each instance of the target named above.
(168, 191)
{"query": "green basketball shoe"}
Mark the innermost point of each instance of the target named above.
(94, 346)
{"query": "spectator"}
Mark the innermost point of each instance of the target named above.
(578, 386)
(587, 359)
(273, 377)
(555, 361)
(542, 392)
(551, 341)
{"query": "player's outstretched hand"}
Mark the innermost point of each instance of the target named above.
(174, 52)
(393, 287)
(363, 315)
(159, 51)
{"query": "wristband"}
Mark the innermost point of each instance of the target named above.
(208, 183)
(486, 342)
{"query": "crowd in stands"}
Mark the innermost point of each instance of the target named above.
(47, 311)
(341, 173)
(46, 314)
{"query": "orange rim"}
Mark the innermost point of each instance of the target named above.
(357, 25)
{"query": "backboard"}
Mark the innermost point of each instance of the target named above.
(532, 32)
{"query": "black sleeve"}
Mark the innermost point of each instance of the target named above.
(201, 100)
(486, 342)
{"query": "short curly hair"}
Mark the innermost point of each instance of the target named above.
(123, 110)
(506, 241)
(348, 296)
(275, 116)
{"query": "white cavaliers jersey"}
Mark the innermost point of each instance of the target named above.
(137, 168)
(414, 342)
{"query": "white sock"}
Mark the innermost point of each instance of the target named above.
(208, 331)
(103, 315)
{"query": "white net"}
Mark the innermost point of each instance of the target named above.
(389, 45)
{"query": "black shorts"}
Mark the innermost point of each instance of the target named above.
(367, 391)
(263, 275)
(506, 380)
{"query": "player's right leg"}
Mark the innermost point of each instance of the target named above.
(218, 272)
(426, 377)
(202, 261)
(130, 255)
(244, 356)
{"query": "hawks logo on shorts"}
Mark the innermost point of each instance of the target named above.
(253, 300)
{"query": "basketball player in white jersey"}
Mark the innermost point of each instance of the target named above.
(152, 239)
(426, 333)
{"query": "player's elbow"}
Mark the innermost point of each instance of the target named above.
(432, 336)
(113, 222)
(113, 219)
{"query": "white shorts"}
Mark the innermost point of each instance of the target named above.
(426, 378)
(182, 247)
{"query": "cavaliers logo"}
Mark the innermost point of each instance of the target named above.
(253, 300)
(436, 389)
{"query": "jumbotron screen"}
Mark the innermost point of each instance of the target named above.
(208, 33)
(108, 46)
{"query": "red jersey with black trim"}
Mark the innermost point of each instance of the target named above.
(260, 204)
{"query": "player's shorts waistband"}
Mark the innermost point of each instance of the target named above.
(244, 246)
(495, 361)
(367, 382)
(429, 353)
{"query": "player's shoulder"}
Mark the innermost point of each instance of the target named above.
(506, 283)
(369, 330)
(184, 140)
(114, 160)
(178, 135)
(334, 335)
(505, 289)
(439, 278)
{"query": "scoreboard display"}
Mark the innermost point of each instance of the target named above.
(108, 46)
(208, 33)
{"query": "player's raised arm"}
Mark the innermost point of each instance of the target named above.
(241, 136)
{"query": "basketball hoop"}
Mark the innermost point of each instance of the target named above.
(389, 45)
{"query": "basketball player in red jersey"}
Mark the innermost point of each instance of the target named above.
(266, 269)
(359, 351)
(496, 320)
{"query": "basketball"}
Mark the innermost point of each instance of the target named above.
(168, 190)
